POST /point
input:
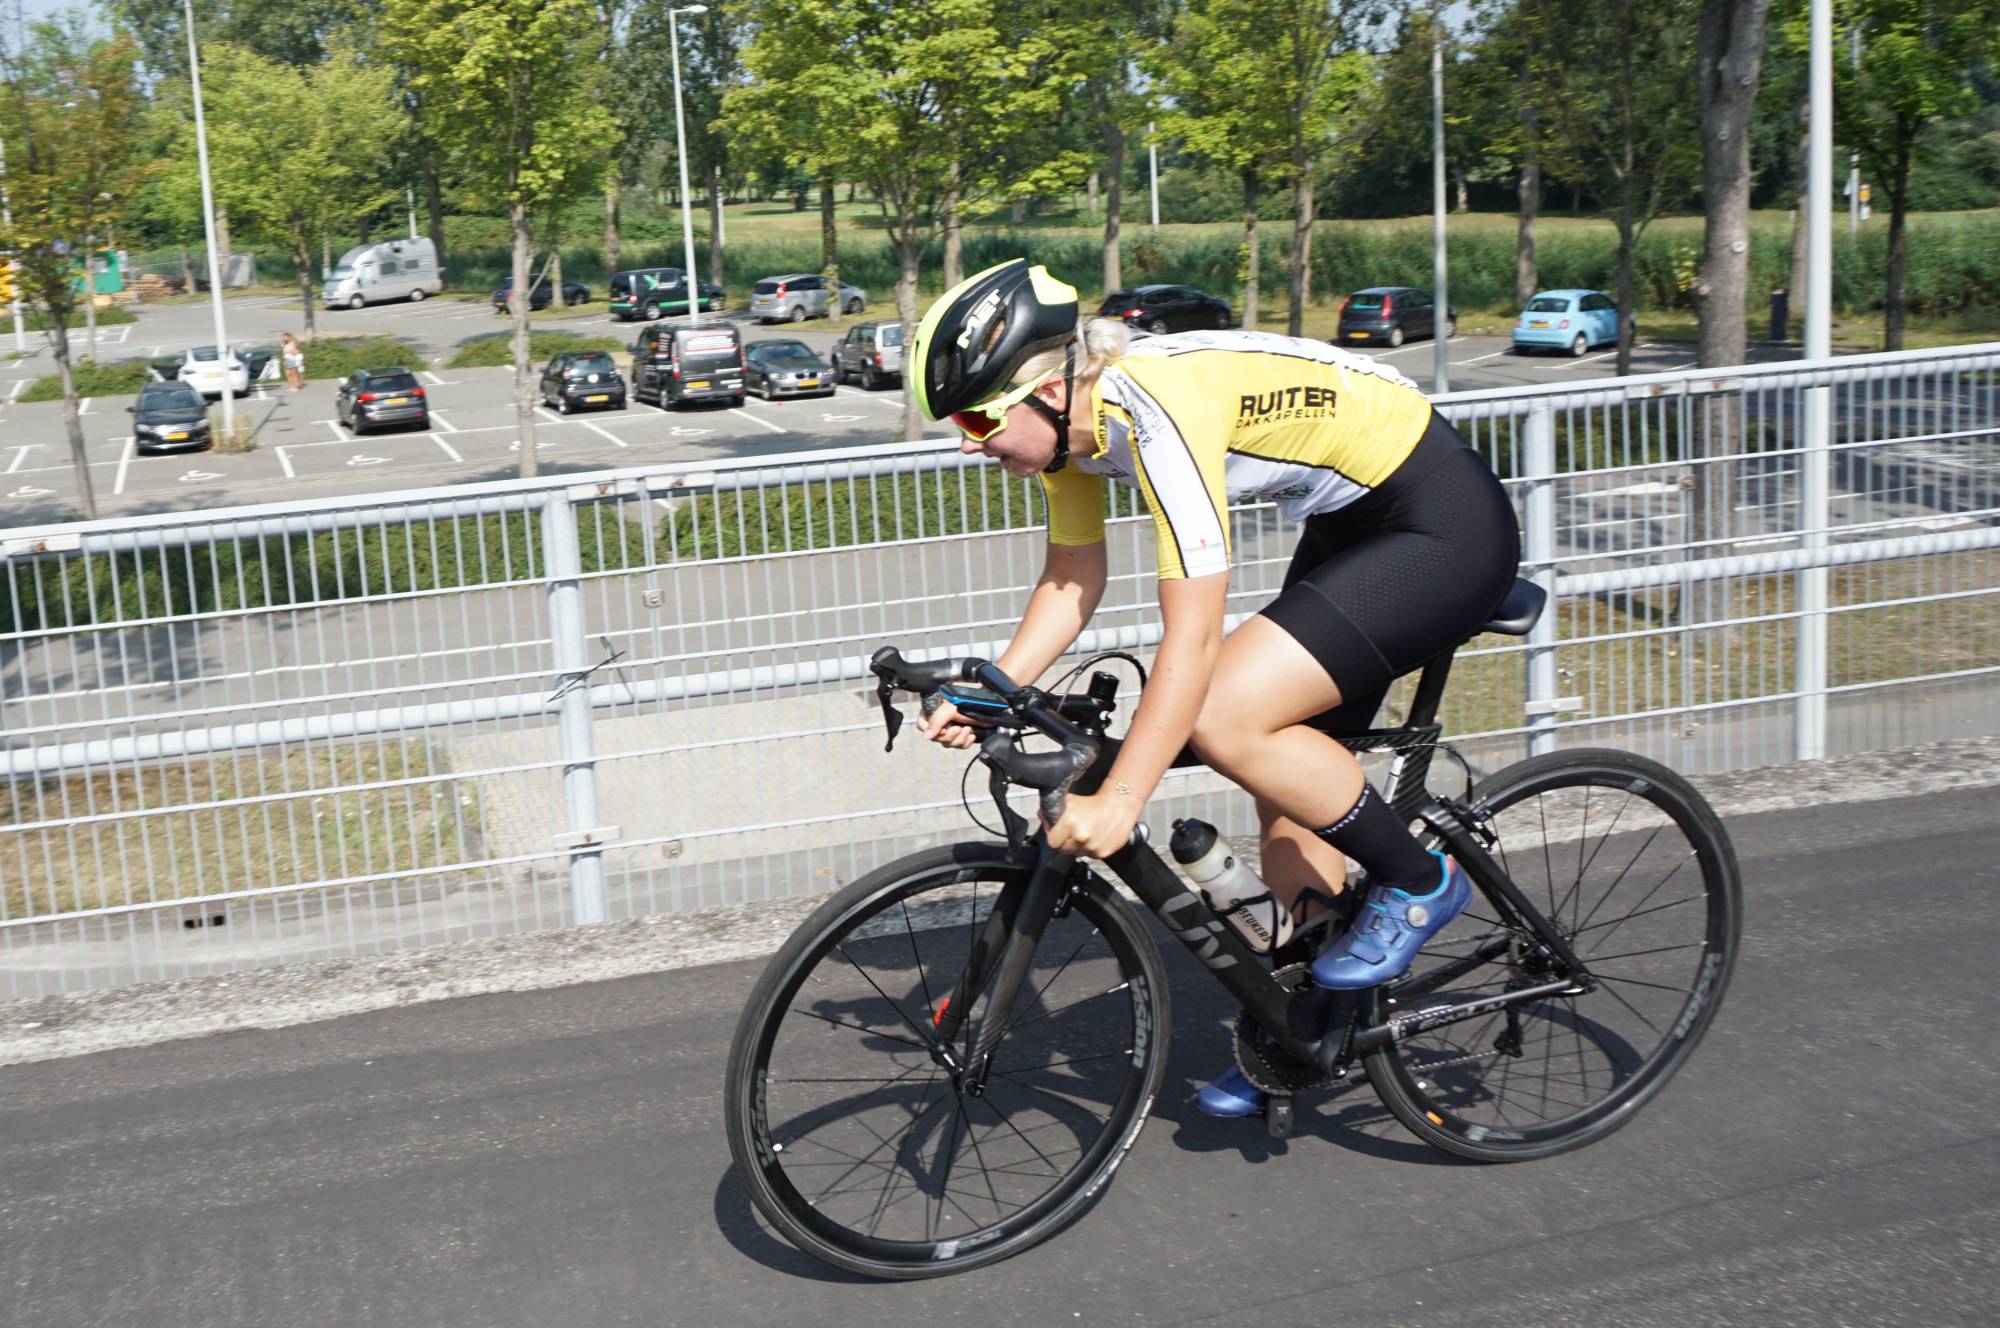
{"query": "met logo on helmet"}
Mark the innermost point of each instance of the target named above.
(975, 321)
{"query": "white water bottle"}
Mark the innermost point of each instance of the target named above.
(1229, 887)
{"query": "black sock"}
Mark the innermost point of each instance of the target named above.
(1373, 835)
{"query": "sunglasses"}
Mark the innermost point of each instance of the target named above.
(986, 419)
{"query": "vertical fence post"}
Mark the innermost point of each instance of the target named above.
(1539, 460)
(1809, 714)
(563, 565)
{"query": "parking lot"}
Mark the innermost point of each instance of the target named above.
(301, 451)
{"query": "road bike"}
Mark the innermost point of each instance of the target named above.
(948, 1060)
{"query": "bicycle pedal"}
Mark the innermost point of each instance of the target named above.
(1278, 1117)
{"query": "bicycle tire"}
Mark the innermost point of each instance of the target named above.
(1470, 1088)
(1097, 956)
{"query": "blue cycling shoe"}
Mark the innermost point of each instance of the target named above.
(1392, 927)
(1232, 1095)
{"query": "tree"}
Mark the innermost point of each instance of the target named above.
(1728, 69)
(1917, 64)
(1225, 108)
(1730, 56)
(928, 100)
(513, 87)
(281, 145)
(67, 105)
(1315, 78)
(1612, 88)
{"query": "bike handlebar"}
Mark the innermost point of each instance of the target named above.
(1051, 773)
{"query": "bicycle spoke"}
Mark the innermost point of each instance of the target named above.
(929, 1041)
(862, 1028)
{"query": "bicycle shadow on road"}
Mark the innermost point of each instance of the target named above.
(739, 1224)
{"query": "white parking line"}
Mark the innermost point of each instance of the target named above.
(20, 455)
(1427, 344)
(435, 380)
(602, 433)
(339, 434)
(1506, 350)
(886, 398)
(124, 460)
(549, 415)
(449, 450)
(754, 420)
(443, 423)
(84, 408)
(286, 462)
(19, 383)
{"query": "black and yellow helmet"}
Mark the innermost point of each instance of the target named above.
(981, 331)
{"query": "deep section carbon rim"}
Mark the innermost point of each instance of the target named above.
(1635, 872)
(863, 1145)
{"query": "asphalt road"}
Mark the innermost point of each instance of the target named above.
(557, 1157)
(302, 452)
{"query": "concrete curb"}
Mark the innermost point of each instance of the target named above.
(76, 1024)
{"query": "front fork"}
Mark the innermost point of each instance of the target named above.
(1000, 958)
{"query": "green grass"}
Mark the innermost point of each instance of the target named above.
(497, 348)
(37, 320)
(337, 357)
(117, 379)
(310, 830)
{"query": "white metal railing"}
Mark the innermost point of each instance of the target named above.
(336, 727)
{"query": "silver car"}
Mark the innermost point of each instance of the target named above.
(797, 296)
(870, 352)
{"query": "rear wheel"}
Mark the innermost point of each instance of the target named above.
(863, 1148)
(1396, 335)
(1633, 868)
(870, 380)
(1579, 346)
(653, 311)
(1157, 327)
(797, 314)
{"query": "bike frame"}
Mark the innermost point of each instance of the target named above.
(1318, 1028)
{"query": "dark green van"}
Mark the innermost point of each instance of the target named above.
(655, 292)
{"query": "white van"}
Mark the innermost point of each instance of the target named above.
(390, 270)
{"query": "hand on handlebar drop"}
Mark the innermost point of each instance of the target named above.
(945, 725)
(1096, 826)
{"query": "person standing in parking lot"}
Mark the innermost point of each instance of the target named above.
(295, 363)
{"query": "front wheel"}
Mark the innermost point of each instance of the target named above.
(1637, 874)
(355, 302)
(417, 295)
(851, 1133)
(853, 307)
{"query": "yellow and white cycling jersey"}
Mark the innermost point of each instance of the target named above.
(1200, 420)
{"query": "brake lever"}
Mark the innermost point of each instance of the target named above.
(892, 717)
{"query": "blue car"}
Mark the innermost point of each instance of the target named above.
(1571, 320)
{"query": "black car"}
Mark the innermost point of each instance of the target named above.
(582, 378)
(785, 368)
(1393, 314)
(1165, 308)
(539, 294)
(371, 398)
(170, 417)
(672, 363)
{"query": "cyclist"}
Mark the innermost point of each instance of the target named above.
(1409, 544)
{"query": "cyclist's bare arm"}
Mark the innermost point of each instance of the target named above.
(1071, 584)
(1191, 613)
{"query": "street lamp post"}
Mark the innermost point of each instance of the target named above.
(1440, 297)
(680, 141)
(208, 220)
(13, 265)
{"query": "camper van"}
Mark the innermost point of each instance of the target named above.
(388, 270)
